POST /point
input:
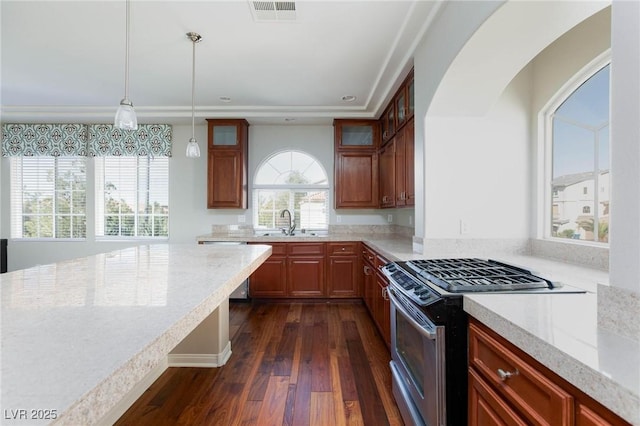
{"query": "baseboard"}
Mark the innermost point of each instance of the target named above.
(200, 360)
(127, 401)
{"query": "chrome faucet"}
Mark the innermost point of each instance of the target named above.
(292, 223)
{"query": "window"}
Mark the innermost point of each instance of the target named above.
(48, 197)
(132, 198)
(580, 160)
(295, 181)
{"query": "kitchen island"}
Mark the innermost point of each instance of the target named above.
(79, 337)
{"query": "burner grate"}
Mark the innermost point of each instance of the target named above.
(476, 275)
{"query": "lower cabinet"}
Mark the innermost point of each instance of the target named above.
(303, 270)
(507, 387)
(375, 292)
(343, 278)
(270, 279)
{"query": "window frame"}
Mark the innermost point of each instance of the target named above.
(545, 149)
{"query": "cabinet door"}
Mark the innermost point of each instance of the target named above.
(536, 397)
(356, 179)
(226, 186)
(387, 176)
(410, 97)
(409, 165)
(388, 123)
(356, 134)
(305, 277)
(369, 287)
(343, 276)
(227, 163)
(486, 408)
(401, 107)
(400, 166)
(383, 308)
(270, 279)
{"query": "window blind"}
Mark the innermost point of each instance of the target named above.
(132, 197)
(48, 197)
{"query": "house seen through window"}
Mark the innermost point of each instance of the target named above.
(580, 162)
(295, 181)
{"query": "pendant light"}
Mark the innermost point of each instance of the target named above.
(126, 116)
(193, 150)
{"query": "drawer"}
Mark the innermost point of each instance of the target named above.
(342, 249)
(305, 249)
(380, 262)
(368, 255)
(535, 396)
(277, 249)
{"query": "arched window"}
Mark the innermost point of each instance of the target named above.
(295, 181)
(580, 159)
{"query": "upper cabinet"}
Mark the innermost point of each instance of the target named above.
(227, 163)
(356, 134)
(356, 163)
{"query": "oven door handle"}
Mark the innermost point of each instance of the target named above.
(429, 334)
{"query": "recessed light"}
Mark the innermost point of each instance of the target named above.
(348, 98)
(225, 98)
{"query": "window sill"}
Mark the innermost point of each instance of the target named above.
(582, 253)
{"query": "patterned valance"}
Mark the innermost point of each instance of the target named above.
(95, 140)
(149, 140)
(53, 140)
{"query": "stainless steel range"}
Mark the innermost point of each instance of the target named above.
(429, 330)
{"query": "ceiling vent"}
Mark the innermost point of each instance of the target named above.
(268, 11)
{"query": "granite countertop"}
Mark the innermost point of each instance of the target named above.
(78, 335)
(562, 331)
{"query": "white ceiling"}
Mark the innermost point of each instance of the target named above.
(64, 60)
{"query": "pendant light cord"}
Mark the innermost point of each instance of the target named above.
(126, 57)
(193, 92)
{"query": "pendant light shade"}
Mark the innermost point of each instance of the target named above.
(193, 150)
(126, 116)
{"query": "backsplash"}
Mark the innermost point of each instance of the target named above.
(247, 230)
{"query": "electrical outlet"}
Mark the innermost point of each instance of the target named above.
(241, 218)
(410, 220)
(390, 218)
(464, 227)
(338, 218)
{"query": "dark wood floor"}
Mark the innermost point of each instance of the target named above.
(292, 364)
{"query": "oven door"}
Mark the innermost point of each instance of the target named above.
(417, 363)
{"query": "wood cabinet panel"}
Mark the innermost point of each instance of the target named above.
(387, 176)
(305, 249)
(409, 164)
(382, 307)
(270, 279)
(486, 408)
(343, 277)
(538, 399)
(356, 179)
(343, 249)
(369, 286)
(227, 163)
(305, 277)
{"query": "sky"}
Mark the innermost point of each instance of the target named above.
(574, 127)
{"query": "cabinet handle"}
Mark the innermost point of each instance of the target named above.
(384, 293)
(367, 270)
(343, 249)
(504, 375)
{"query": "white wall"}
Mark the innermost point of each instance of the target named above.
(477, 170)
(625, 146)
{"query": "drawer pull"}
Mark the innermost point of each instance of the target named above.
(504, 375)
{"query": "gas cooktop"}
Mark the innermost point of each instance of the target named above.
(476, 275)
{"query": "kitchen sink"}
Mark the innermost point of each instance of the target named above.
(279, 234)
